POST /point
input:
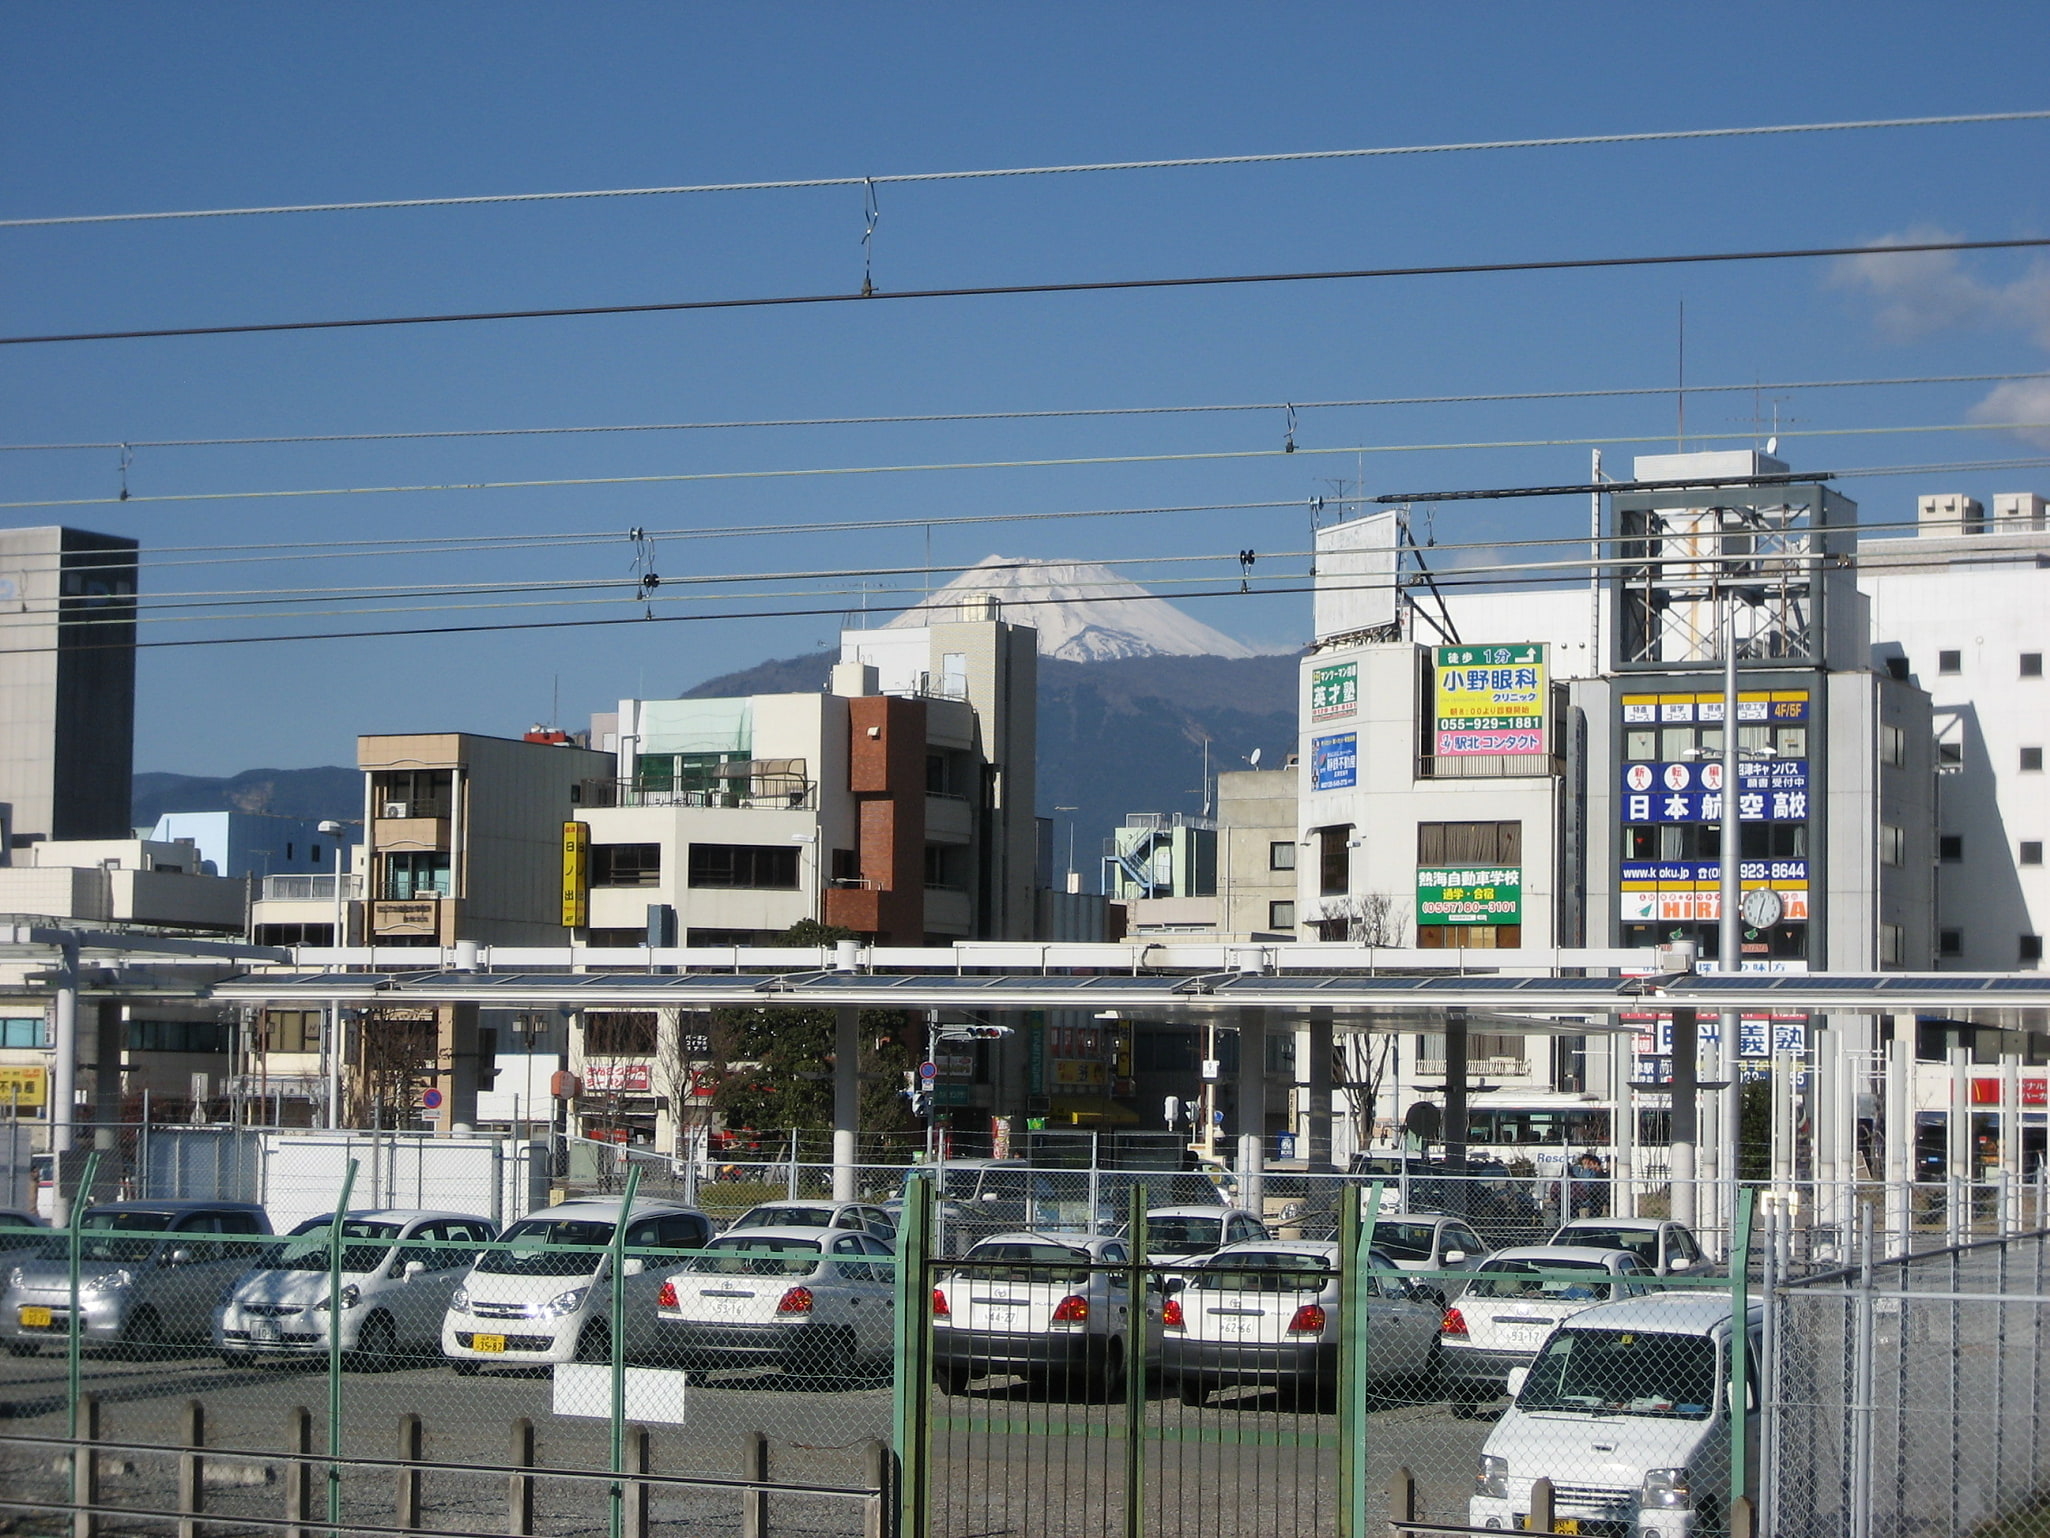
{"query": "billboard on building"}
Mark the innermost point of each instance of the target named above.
(576, 875)
(23, 1087)
(1469, 894)
(1334, 691)
(1355, 586)
(1489, 700)
(1335, 761)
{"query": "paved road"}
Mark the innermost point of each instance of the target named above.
(1005, 1460)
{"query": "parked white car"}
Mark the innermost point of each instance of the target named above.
(1515, 1300)
(1430, 1241)
(1668, 1248)
(543, 1292)
(1627, 1411)
(398, 1268)
(1055, 1308)
(816, 1302)
(1176, 1236)
(1268, 1312)
(861, 1217)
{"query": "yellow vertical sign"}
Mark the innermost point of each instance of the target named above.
(576, 875)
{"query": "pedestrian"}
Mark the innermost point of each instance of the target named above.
(1590, 1187)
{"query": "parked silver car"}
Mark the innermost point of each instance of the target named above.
(149, 1273)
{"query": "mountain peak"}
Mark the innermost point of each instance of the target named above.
(1084, 612)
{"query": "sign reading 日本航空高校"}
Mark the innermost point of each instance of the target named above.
(1489, 700)
(1469, 894)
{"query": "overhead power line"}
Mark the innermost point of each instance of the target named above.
(867, 295)
(1057, 413)
(900, 178)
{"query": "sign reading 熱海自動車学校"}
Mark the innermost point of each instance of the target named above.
(1469, 894)
(1489, 700)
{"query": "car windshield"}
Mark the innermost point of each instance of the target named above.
(1262, 1271)
(532, 1247)
(101, 1242)
(786, 1217)
(1405, 1241)
(365, 1245)
(1183, 1236)
(1641, 1242)
(1623, 1372)
(1540, 1281)
(1020, 1261)
(763, 1255)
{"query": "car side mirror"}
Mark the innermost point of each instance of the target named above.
(989, 1196)
(1173, 1285)
(1454, 1257)
(634, 1266)
(413, 1268)
(1518, 1376)
(179, 1257)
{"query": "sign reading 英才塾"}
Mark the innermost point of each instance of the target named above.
(1335, 761)
(1469, 894)
(1489, 700)
(1334, 691)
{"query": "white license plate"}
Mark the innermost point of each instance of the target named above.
(725, 1310)
(1239, 1328)
(263, 1329)
(1524, 1337)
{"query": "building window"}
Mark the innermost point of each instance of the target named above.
(22, 1031)
(626, 864)
(1281, 854)
(295, 934)
(2030, 951)
(1893, 746)
(615, 939)
(1950, 753)
(1892, 843)
(411, 792)
(1950, 662)
(703, 937)
(744, 865)
(2032, 760)
(619, 1033)
(291, 1030)
(1897, 669)
(1334, 860)
(2032, 851)
(176, 1035)
(1890, 940)
(1469, 843)
(2032, 664)
(415, 873)
(1950, 942)
(1950, 848)
(1281, 915)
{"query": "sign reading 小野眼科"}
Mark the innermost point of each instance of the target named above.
(1469, 894)
(1489, 700)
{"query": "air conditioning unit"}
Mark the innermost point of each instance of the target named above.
(396, 809)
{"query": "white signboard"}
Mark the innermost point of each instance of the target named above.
(1355, 575)
(653, 1394)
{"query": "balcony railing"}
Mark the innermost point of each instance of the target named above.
(309, 889)
(736, 795)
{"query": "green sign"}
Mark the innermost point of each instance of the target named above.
(1469, 894)
(950, 1094)
(1334, 691)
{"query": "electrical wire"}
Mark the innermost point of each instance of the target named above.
(901, 178)
(1183, 457)
(1619, 392)
(1000, 290)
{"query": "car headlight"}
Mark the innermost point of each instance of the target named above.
(1493, 1479)
(14, 1277)
(351, 1296)
(459, 1301)
(562, 1303)
(107, 1281)
(1667, 1489)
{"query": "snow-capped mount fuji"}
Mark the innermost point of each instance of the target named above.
(1083, 612)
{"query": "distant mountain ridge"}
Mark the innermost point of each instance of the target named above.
(328, 791)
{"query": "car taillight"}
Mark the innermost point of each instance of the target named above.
(1454, 1323)
(939, 1305)
(666, 1298)
(1073, 1309)
(1309, 1320)
(796, 1301)
(1171, 1315)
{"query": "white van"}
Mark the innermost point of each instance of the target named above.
(1627, 1411)
(543, 1292)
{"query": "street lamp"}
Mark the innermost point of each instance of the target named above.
(1071, 843)
(333, 1044)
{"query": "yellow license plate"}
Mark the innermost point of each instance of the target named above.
(487, 1342)
(1560, 1524)
(37, 1319)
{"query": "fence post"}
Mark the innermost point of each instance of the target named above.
(298, 1471)
(519, 1488)
(616, 1335)
(1355, 1281)
(1135, 1363)
(1743, 1522)
(876, 1513)
(911, 1399)
(1740, 1346)
(639, 1460)
(85, 1469)
(407, 1514)
(754, 1501)
(192, 1470)
(334, 1346)
(1541, 1505)
(1401, 1501)
(74, 1340)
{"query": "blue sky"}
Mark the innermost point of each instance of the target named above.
(115, 108)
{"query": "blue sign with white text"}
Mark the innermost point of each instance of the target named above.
(1335, 761)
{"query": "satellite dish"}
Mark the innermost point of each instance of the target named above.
(1255, 759)
(1772, 445)
(1424, 1121)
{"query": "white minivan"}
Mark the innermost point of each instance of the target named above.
(1627, 1411)
(543, 1293)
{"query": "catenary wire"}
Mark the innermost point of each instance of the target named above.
(915, 418)
(1001, 290)
(1068, 462)
(904, 177)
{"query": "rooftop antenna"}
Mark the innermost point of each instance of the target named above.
(1682, 426)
